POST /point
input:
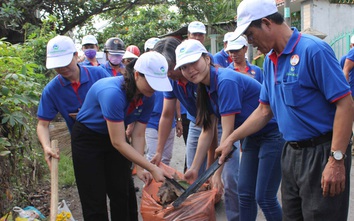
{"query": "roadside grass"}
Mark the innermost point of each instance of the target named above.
(66, 171)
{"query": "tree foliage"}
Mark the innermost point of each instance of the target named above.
(136, 26)
(14, 14)
(139, 23)
(209, 11)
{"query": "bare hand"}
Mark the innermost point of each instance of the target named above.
(179, 129)
(144, 175)
(129, 130)
(191, 175)
(217, 183)
(333, 178)
(159, 174)
(48, 154)
(156, 159)
(224, 149)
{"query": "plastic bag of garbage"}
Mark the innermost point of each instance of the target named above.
(28, 213)
(197, 207)
(64, 213)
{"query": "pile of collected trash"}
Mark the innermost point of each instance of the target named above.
(157, 199)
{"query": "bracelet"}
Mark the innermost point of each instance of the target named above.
(179, 119)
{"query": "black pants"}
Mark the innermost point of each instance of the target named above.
(301, 185)
(101, 171)
(185, 124)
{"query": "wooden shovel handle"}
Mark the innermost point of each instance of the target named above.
(54, 183)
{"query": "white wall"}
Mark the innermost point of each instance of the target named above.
(331, 19)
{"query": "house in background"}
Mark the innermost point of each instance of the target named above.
(334, 18)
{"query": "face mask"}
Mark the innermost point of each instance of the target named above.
(115, 59)
(90, 53)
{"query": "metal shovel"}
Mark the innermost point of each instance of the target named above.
(201, 180)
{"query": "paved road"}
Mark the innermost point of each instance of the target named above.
(177, 162)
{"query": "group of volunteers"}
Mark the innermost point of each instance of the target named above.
(287, 122)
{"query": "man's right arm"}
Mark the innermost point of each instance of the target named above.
(255, 122)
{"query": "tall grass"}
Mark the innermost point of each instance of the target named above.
(66, 171)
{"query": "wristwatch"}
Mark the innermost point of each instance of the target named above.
(179, 119)
(338, 155)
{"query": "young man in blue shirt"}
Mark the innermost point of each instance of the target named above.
(222, 57)
(66, 92)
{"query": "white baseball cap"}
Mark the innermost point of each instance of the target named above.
(196, 27)
(128, 54)
(150, 43)
(251, 10)
(227, 36)
(89, 39)
(154, 67)
(189, 51)
(236, 44)
(352, 40)
(60, 51)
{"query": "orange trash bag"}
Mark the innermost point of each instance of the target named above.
(197, 207)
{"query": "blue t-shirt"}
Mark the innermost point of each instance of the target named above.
(349, 56)
(252, 71)
(222, 58)
(110, 70)
(231, 92)
(301, 86)
(186, 94)
(87, 63)
(156, 112)
(107, 101)
(60, 95)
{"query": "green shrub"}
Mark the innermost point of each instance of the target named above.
(22, 76)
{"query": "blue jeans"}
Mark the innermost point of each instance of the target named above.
(260, 175)
(191, 147)
(230, 178)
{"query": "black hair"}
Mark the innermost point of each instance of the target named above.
(129, 81)
(203, 118)
(276, 17)
(167, 46)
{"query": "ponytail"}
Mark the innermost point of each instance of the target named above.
(203, 118)
(129, 81)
